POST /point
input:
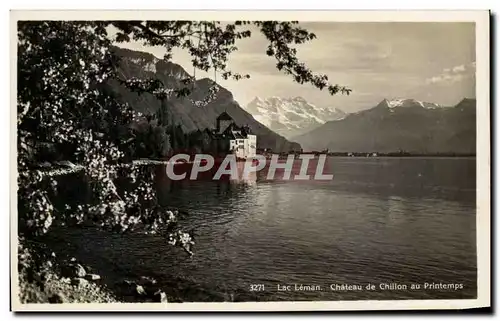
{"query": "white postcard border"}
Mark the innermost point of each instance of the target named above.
(483, 158)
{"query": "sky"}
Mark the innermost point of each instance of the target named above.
(428, 61)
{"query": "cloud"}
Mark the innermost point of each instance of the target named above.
(458, 69)
(454, 74)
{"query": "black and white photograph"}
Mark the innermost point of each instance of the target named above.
(250, 161)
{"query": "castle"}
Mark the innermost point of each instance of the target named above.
(234, 139)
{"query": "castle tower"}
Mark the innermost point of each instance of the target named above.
(223, 121)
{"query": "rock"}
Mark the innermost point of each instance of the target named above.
(132, 291)
(73, 270)
(79, 282)
(140, 290)
(160, 296)
(146, 281)
(80, 270)
(45, 164)
(56, 298)
(72, 259)
(93, 277)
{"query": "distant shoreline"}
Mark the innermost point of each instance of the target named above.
(409, 156)
(365, 155)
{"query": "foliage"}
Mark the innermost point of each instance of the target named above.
(62, 102)
(210, 44)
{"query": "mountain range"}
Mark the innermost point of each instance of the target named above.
(291, 116)
(392, 125)
(399, 125)
(183, 112)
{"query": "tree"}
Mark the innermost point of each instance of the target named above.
(210, 44)
(63, 103)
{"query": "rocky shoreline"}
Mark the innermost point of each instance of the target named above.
(42, 280)
(74, 274)
(51, 279)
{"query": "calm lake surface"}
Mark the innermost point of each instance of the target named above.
(379, 221)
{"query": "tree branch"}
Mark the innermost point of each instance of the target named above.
(154, 34)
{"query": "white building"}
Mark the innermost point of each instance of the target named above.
(244, 147)
(240, 141)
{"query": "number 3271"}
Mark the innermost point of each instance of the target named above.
(256, 287)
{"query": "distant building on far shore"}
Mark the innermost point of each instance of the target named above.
(231, 138)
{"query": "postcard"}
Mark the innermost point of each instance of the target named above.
(250, 160)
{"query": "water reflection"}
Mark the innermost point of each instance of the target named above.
(377, 221)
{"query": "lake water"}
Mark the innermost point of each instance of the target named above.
(389, 222)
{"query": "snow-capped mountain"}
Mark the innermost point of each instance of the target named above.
(394, 103)
(399, 124)
(291, 116)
